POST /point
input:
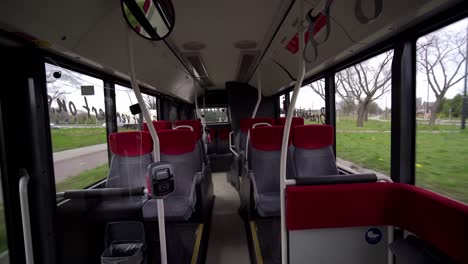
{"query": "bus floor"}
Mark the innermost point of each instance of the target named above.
(228, 242)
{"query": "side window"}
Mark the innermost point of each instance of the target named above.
(441, 142)
(151, 103)
(78, 128)
(124, 98)
(3, 234)
(282, 104)
(363, 120)
(310, 103)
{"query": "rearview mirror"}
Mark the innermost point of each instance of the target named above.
(151, 19)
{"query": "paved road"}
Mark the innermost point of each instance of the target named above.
(72, 162)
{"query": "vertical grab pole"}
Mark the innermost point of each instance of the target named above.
(287, 129)
(259, 96)
(156, 152)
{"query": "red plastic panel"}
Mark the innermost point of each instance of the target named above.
(267, 138)
(312, 136)
(159, 125)
(176, 142)
(195, 124)
(296, 121)
(436, 219)
(247, 123)
(223, 133)
(130, 144)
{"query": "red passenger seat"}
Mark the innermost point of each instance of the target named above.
(198, 133)
(265, 171)
(178, 147)
(296, 121)
(159, 125)
(313, 154)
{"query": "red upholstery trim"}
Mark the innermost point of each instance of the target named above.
(313, 136)
(130, 144)
(247, 123)
(436, 219)
(267, 138)
(176, 142)
(223, 133)
(195, 124)
(159, 125)
(212, 133)
(296, 121)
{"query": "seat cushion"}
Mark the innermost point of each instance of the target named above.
(268, 204)
(176, 208)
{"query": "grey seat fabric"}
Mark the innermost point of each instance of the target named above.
(128, 169)
(313, 154)
(178, 148)
(316, 162)
(265, 176)
(265, 170)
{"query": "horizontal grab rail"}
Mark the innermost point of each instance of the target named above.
(102, 193)
(337, 179)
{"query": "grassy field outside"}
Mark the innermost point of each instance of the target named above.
(83, 179)
(441, 153)
(70, 138)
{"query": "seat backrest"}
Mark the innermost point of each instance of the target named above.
(212, 141)
(313, 154)
(159, 125)
(198, 134)
(178, 148)
(266, 156)
(131, 158)
(296, 121)
(246, 124)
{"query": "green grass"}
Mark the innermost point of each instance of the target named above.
(83, 179)
(441, 158)
(70, 138)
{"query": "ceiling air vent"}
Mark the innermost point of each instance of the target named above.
(246, 64)
(198, 68)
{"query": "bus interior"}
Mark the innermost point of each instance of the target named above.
(266, 131)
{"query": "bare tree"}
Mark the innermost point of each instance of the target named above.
(58, 87)
(150, 101)
(365, 82)
(319, 88)
(441, 56)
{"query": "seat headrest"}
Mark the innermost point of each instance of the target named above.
(223, 133)
(159, 125)
(195, 124)
(296, 121)
(131, 143)
(247, 123)
(267, 138)
(313, 136)
(176, 142)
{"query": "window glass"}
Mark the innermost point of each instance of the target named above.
(363, 121)
(215, 114)
(282, 104)
(310, 103)
(78, 128)
(124, 98)
(173, 112)
(151, 103)
(441, 144)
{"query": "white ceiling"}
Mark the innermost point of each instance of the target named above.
(94, 32)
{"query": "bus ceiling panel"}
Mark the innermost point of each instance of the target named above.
(218, 29)
(347, 34)
(271, 74)
(93, 33)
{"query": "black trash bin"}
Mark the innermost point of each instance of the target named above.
(125, 243)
